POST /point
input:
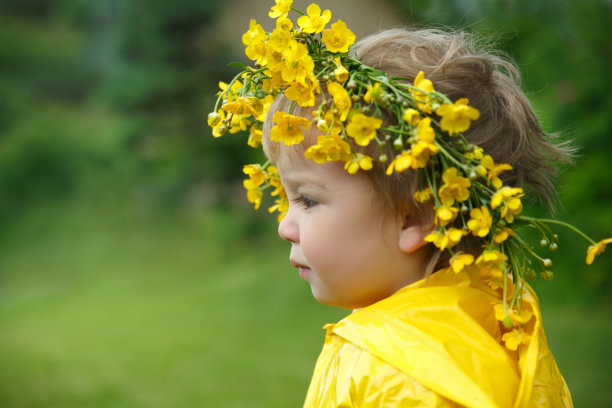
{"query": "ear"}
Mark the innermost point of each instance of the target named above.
(413, 233)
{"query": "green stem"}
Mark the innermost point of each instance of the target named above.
(564, 224)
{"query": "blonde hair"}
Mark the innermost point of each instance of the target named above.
(460, 67)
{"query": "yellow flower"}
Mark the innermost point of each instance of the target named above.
(456, 118)
(412, 116)
(314, 22)
(455, 187)
(280, 40)
(374, 93)
(274, 58)
(219, 127)
(480, 221)
(475, 154)
(338, 38)
(448, 239)
(423, 196)
(329, 123)
(275, 181)
(517, 318)
(341, 73)
(254, 194)
(424, 86)
(421, 152)
(281, 9)
(329, 148)
(317, 153)
(491, 258)
(241, 106)
(302, 93)
(255, 172)
(502, 235)
(288, 128)
(236, 87)
(274, 80)
(265, 106)
(596, 249)
(505, 193)
(445, 215)
(297, 64)
(491, 266)
(511, 198)
(359, 161)
(342, 100)
(460, 261)
(281, 205)
(493, 170)
(284, 24)
(255, 40)
(255, 32)
(363, 128)
(400, 163)
(255, 136)
(336, 147)
(515, 338)
(424, 131)
(238, 123)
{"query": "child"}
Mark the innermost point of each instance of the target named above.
(399, 196)
(359, 241)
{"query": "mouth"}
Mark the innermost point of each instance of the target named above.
(303, 269)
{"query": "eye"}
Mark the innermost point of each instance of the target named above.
(305, 201)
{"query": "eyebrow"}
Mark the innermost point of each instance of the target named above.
(300, 180)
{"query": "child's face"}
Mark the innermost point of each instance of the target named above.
(346, 247)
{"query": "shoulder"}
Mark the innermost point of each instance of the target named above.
(349, 376)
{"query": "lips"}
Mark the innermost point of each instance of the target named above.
(297, 264)
(304, 270)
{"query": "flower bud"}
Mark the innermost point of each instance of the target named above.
(553, 247)
(473, 175)
(213, 119)
(547, 263)
(383, 158)
(546, 275)
(322, 125)
(508, 322)
(351, 84)
(543, 242)
(398, 144)
(530, 274)
(482, 172)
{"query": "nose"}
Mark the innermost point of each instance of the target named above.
(288, 228)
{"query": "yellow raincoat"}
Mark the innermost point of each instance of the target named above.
(435, 343)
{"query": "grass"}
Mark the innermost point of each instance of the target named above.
(106, 304)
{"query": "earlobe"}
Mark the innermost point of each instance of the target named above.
(412, 236)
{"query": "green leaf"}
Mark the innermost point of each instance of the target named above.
(238, 65)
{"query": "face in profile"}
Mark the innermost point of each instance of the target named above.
(344, 244)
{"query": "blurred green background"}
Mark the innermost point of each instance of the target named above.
(133, 273)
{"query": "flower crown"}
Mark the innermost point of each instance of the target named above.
(458, 178)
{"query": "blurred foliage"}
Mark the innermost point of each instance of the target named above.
(112, 88)
(109, 179)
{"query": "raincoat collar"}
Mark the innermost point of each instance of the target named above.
(442, 331)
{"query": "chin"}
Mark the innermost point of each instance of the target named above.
(328, 300)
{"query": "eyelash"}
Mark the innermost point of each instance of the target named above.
(305, 201)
